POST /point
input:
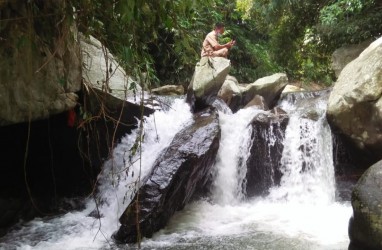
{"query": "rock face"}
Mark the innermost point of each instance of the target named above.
(257, 101)
(238, 95)
(230, 93)
(365, 227)
(355, 104)
(40, 71)
(102, 71)
(169, 90)
(268, 132)
(269, 87)
(112, 119)
(344, 55)
(107, 87)
(180, 169)
(210, 74)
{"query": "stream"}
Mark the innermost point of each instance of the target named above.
(301, 213)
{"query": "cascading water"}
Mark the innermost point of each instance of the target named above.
(78, 230)
(307, 160)
(301, 213)
(233, 152)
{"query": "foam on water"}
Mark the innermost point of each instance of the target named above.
(232, 155)
(299, 214)
(321, 226)
(78, 230)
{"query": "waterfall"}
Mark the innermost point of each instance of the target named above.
(233, 152)
(78, 230)
(300, 213)
(307, 159)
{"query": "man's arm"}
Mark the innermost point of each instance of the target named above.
(227, 45)
(215, 45)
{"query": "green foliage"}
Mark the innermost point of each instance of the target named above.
(249, 57)
(348, 22)
(342, 9)
(145, 35)
(303, 33)
(162, 39)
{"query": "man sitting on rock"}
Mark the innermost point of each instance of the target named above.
(211, 46)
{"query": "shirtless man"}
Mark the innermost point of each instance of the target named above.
(211, 46)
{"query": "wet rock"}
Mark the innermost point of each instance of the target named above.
(268, 131)
(179, 171)
(210, 74)
(169, 90)
(355, 104)
(349, 165)
(258, 102)
(112, 119)
(365, 227)
(221, 106)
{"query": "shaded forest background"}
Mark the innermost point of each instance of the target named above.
(163, 38)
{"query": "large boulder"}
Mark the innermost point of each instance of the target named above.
(40, 69)
(230, 93)
(263, 163)
(238, 95)
(107, 87)
(210, 74)
(365, 227)
(344, 55)
(258, 102)
(355, 104)
(269, 87)
(102, 71)
(179, 171)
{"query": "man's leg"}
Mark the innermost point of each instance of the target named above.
(221, 52)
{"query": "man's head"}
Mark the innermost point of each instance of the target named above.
(219, 28)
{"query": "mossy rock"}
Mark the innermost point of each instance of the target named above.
(365, 228)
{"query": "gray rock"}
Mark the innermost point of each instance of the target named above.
(39, 72)
(210, 74)
(230, 93)
(258, 102)
(344, 55)
(110, 77)
(238, 95)
(365, 227)
(355, 104)
(269, 87)
(169, 90)
(179, 171)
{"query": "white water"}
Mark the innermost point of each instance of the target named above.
(232, 155)
(300, 214)
(79, 231)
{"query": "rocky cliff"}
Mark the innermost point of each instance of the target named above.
(40, 61)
